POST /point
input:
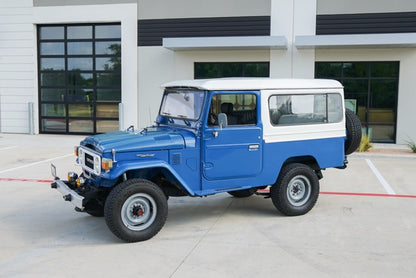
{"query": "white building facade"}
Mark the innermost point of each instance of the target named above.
(92, 66)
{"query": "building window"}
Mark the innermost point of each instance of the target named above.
(244, 69)
(371, 91)
(79, 70)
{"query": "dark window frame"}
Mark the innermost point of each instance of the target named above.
(369, 78)
(222, 65)
(67, 87)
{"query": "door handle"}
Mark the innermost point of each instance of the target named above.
(215, 134)
(253, 147)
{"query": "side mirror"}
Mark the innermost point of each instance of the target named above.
(222, 120)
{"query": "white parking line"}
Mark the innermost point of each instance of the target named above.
(34, 163)
(383, 182)
(8, 148)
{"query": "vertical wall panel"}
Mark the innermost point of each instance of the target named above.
(17, 65)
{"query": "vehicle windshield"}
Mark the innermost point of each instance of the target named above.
(183, 104)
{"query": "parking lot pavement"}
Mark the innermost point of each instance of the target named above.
(357, 228)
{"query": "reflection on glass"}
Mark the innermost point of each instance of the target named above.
(355, 69)
(108, 95)
(52, 33)
(52, 64)
(79, 32)
(78, 79)
(80, 95)
(374, 87)
(383, 93)
(52, 48)
(104, 126)
(249, 69)
(80, 110)
(53, 125)
(380, 115)
(256, 70)
(107, 31)
(107, 48)
(381, 133)
(79, 63)
(53, 110)
(52, 94)
(385, 69)
(107, 110)
(82, 126)
(79, 48)
(109, 64)
(52, 79)
(328, 70)
(109, 79)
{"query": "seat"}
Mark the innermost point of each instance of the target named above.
(227, 108)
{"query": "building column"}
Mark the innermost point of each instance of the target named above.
(292, 18)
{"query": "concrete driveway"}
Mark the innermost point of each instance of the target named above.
(364, 225)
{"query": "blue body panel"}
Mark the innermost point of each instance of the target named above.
(126, 141)
(204, 159)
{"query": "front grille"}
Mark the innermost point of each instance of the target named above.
(89, 160)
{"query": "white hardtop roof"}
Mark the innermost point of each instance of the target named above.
(239, 84)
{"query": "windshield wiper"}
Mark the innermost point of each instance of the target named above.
(167, 115)
(184, 120)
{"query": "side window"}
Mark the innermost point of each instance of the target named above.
(241, 109)
(305, 109)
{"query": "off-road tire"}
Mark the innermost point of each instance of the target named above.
(296, 189)
(353, 126)
(136, 210)
(243, 193)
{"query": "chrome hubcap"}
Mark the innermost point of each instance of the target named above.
(298, 190)
(139, 212)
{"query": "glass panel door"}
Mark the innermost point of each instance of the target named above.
(79, 77)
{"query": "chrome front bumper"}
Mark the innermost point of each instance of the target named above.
(68, 194)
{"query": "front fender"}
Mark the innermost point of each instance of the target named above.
(123, 167)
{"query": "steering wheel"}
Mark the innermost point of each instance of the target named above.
(212, 119)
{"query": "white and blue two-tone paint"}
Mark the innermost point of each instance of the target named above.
(213, 136)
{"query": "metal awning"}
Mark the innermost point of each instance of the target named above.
(226, 43)
(396, 40)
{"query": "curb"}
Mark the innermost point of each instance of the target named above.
(384, 155)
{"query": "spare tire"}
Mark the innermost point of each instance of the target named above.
(353, 126)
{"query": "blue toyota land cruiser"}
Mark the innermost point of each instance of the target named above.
(214, 136)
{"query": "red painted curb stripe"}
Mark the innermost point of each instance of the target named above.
(26, 180)
(367, 194)
(353, 194)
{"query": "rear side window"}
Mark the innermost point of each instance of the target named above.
(305, 109)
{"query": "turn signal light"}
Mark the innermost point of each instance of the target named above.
(80, 181)
(106, 164)
(76, 151)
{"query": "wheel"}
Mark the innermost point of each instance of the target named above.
(243, 193)
(353, 126)
(296, 190)
(136, 210)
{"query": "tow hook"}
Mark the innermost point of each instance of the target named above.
(67, 198)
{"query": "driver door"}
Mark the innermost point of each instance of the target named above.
(233, 151)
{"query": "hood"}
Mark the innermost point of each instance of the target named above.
(127, 141)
